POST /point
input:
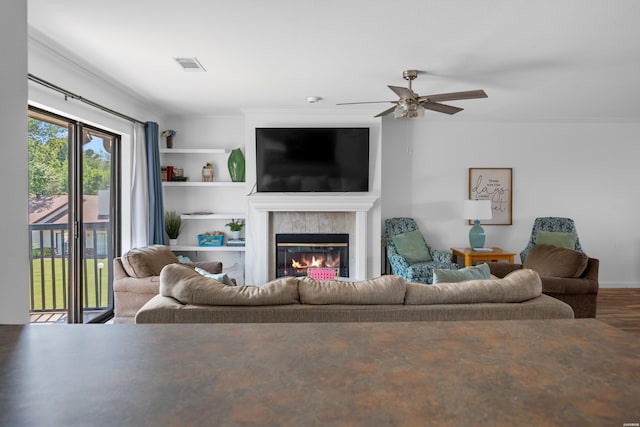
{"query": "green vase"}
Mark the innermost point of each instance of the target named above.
(236, 165)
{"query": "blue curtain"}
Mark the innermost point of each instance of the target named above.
(156, 204)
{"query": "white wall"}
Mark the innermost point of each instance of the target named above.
(586, 171)
(13, 173)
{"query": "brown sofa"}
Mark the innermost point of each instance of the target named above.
(136, 278)
(187, 297)
(567, 275)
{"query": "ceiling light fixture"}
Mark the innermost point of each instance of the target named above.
(190, 64)
(313, 99)
(408, 109)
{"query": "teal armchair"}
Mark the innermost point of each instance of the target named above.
(413, 271)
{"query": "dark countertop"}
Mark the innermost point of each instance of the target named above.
(538, 373)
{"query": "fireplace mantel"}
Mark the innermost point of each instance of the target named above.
(261, 205)
(320, 202)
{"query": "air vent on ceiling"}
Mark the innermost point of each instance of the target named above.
(190, 64)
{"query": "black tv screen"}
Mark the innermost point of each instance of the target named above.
(312, 159)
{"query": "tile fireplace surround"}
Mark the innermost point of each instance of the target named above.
(267, 215)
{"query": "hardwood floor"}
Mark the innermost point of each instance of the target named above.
(620, 308)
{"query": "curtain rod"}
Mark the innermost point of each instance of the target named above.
(72, 95)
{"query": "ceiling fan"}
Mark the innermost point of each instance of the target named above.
(411, 105)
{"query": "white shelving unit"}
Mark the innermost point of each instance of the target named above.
(188, 158)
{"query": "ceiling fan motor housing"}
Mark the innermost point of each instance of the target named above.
(410, 74)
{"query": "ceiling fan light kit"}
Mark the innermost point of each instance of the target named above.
(408, 110)
(412, 106)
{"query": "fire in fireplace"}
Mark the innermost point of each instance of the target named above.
(296, 253)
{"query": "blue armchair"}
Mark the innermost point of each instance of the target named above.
(418, 271)
(550, 223)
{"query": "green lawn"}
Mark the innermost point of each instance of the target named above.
(60, 287)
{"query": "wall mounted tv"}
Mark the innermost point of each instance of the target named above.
(312, 159)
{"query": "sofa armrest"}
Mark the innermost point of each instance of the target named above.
(159, 309)
(397, 260)
(569, 285)
(139, 285)
(213, 267)
(118, 269)
(501, 269)
(441, 256)
(591, 272)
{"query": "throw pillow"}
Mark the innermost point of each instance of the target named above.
(557, 238)
(184, 259)
(554, 261)
(147, 261)
(442, 275)
(411, 246)
(220, 277)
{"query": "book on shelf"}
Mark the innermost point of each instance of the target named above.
(235, 242)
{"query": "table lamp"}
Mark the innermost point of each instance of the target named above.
(476, 210)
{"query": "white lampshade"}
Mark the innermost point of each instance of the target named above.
(477, 209)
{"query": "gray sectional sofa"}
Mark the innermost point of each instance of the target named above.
(188, 297)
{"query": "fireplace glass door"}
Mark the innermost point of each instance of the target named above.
(297, 253)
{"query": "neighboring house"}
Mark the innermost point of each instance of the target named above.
(48, 218)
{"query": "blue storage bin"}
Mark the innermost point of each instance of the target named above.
(204, 240)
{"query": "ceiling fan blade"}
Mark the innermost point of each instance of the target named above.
(469, 94)
(441, 108)
(363, 102)
(403, 92)
(385, 112)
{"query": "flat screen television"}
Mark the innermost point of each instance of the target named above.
(312, 159)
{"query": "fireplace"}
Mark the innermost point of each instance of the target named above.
(296, 253)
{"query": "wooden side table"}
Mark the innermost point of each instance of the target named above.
(469, 255)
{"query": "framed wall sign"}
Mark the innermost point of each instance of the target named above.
(492, 184)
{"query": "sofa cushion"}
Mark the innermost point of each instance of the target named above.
(554, 261)
(386, 289)
(411, 246)
(557, 238)
(518, 286)
(445, 275)
(147, 261)
(190, 287)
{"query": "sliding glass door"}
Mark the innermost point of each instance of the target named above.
(73, 221)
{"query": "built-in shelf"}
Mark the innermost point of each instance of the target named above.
(212, 216)
(194, 151)
(196, 248)
(202, 184)
(190, 160)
